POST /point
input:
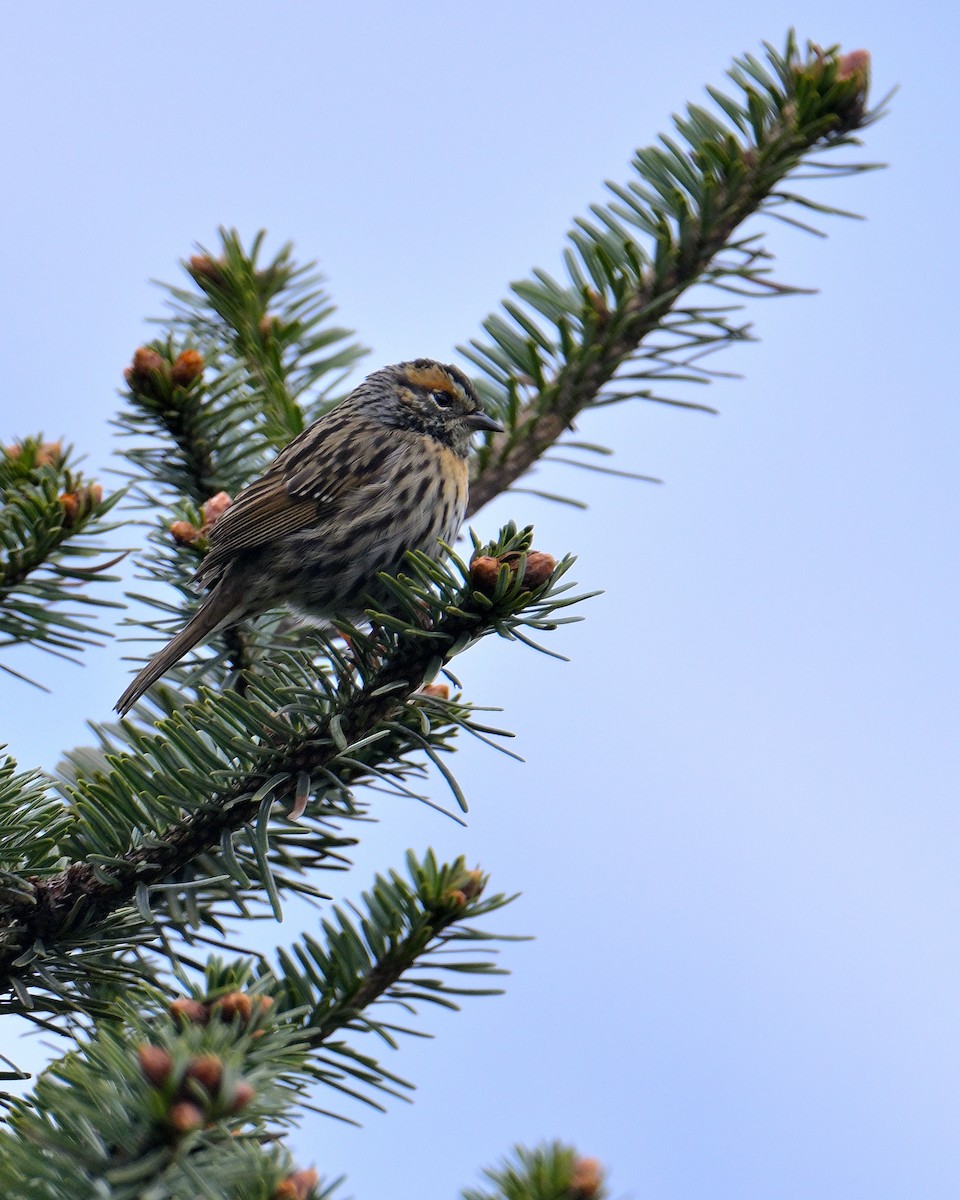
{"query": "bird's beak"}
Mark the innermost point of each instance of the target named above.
(480, 420)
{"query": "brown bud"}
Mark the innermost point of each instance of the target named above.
(305, 1180)
(79, 503)
(204, 267)
(853, 72)
(296, 1186)
(187, 368)
(207, 1070)
(455, 898)
(269, 325)
(188, 1011)
(234, 1004)
(45, 454)
(214, 509)
(855, 64)
(243, 1093)
(155, 1063)
(48, 454)
(184, 534)
(185, 1116)
(540, 566)
(146, 362)
(70, 502)
(484, 571)
(439, 691)
(586, 1177)
(473, 884)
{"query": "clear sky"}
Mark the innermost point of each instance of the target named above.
(736, 831)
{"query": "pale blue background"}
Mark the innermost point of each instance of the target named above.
(737, 828)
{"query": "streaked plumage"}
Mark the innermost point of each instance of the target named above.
(383, 473)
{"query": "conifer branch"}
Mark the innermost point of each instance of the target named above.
(549, 1172)
(191, 1077)
(559, 347)
(50, 516)
(192, 1109)
(163, 813)
(403, 945)
(173, 828)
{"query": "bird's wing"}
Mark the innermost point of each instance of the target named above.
(306, 483)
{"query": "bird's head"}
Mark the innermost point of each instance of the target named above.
(429, 397)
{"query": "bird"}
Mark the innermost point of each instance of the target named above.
(382, 473)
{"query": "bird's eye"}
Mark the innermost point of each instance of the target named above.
(441, 399)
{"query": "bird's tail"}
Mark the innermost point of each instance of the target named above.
(208, 618)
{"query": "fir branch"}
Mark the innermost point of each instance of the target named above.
(397, 950)
(192, 1109)
(250, 358)
(162, 819)
(189, 1077)
(549, 1172)
(271, 321)
(49, 516)
(171, 831)
(675, 226)
(199, 420)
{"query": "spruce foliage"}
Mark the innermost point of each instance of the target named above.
(127, 875)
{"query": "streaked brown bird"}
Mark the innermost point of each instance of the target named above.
(383, 473)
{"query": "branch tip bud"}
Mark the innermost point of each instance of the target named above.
(146, 361)
(473, 884)
(485, 569)
(484, 572)
(207, 1070)
(586, 1178)
(540, 566)
(185, 1116)
(189, 1011)
(184, 534)
(855, 65)
(79, 504)
(243, 1093)
(214, 509)
(202, 266)
(187, 368)
(155, 1063)
(234, 1004)
(296, 1186)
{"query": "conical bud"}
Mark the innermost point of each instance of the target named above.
(188, 367)
(586, 1178)
(243, 1093)
(207, 1070)
(155, 1063)
(185, 1116)
(189, 1011)
(214, 509)
(184, 534)
(234, 1004)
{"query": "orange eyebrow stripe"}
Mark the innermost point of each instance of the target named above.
(429, 378)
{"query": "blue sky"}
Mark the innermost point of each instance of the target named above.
(736, 831)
